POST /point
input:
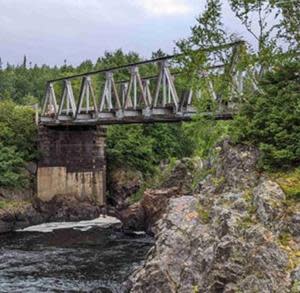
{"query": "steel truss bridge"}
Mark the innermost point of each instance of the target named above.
(123, 94)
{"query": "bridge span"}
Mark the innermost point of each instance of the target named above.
(76, 109)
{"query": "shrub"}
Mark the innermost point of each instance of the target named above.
(11, 164)
(17, 143)
(289, 182)
(17, 128)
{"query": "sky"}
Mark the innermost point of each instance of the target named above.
(49, 31)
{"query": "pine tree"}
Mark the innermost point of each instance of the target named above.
(24, 62)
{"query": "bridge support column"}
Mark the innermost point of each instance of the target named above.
(72, 163)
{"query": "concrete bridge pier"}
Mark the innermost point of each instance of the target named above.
(72, 163)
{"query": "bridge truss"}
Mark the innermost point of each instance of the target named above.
(123, 94)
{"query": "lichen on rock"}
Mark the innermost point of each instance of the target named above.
(225, 237)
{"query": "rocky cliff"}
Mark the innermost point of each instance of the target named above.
(237, 232)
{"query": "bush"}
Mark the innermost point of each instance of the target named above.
(17, 128)
(17, 143)
(289, 182)
(271, 119)
(11, 163)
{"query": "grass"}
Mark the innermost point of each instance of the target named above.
(2, 204)
(285, 238)
(203, 213)
(246, 222)
(137, 196)
(289, 182)
(7, 204)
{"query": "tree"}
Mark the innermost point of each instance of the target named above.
(18, 129)
(127, 147)
(270, 119)
(24, 65)
(264, 53)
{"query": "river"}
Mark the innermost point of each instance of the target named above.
(70, 258)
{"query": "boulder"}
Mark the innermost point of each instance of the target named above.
(233, 170)
(122, 184)
(19, 215)
(144, 214)
(268, 199)
(182, 174)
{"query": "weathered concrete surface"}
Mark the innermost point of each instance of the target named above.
(57, 181)
(72, 163)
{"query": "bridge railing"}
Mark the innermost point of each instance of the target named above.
(105, 98)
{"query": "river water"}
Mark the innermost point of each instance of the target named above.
(84, 258)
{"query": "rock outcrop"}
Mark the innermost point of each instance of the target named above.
(175, 182)
(17, 213)
(122, 184)
(143, 215)
(237, 233)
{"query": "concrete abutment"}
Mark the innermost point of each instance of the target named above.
(72, 163)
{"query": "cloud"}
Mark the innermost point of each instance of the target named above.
(50, 31)
(164, 7)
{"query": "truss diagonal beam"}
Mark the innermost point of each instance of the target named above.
(135, 84)
(68, 98)
(50, 105)
(86, 95)
(110, 98)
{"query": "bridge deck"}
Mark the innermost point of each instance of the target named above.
(135, 118)
(159, 97)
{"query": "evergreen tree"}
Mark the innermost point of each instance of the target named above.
(24, 64)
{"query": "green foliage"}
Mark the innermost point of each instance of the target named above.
(271, 119)
(137, 196)
(18, 128)
(203, 213)
(8, 204)
(17, 143)
(169, 141)
(142, 147)
(127, 146)
(289, 182)
(206, 133)
(11, 163)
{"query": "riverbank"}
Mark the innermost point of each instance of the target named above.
(19, 213)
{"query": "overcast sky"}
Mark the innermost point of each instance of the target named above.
(49, 31)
